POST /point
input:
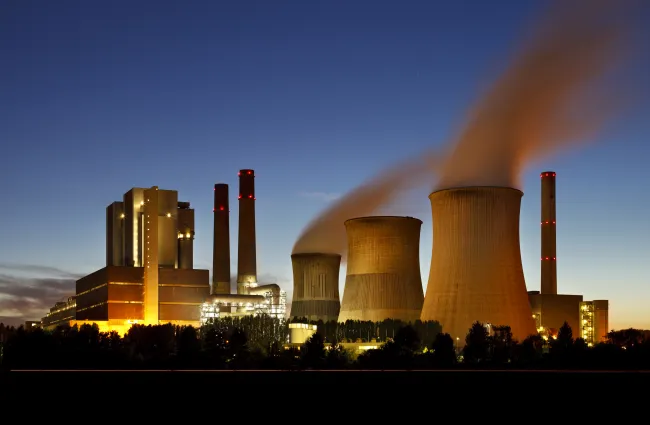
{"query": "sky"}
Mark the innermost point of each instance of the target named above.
(316, 97)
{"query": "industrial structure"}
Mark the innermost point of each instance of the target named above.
(149, 276)
(61, 313)
(221, 241)
(383, 270)
(251, 298)
(316, 286)
(476, 272)
(594, 321)
(550, 309)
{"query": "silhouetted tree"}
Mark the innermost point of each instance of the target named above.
(477, 344)
(443, 351)
(313, 352)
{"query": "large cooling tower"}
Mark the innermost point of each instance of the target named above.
(247, 251)
(316, 286)
(476, 271)
(549, 262)
(383, 270)
(221, 241)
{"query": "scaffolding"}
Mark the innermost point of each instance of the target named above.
(273, 305)
(587, 322)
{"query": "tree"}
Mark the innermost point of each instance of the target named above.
(444, 352)
(313, 352)
(477, 344)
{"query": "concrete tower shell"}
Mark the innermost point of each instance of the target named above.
(548, 259)
(221, 241)
(247, 250)
(383, 270)
(316, 286)
(476, 272)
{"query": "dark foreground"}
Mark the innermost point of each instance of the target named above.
(276, 383)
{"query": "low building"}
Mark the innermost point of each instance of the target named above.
(550, 311)
(594, 321)
(61, 313)
(115, 295)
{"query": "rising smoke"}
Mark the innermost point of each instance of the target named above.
(326, 234)
(545, 101)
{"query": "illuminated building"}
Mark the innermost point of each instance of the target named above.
(383, 272)
(62, 312)
(550, 309)
(594, 321)
(149, 276)
(476, 272)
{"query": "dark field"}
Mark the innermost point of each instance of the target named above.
(276, 384)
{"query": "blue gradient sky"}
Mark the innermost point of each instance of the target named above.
(98, 97)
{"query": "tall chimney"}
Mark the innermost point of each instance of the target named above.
(549, 260)
(246, 255)
(221, 241)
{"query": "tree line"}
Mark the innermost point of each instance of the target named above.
(261, 343)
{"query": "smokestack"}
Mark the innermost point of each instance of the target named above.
(549, 260)
(221, 241)
(316, 286)
(246, 255)
(383, 271)
(476, 272)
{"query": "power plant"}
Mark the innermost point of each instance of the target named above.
(476, 272)
(316, 286)
(383, 271)
(550, 309)
(149, 276)
(251, 298)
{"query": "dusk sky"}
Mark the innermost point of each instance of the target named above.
(315, 96)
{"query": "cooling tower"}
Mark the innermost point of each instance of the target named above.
(316, 286)
(221, 241)
(549, 264)
(383, 270)
(246, 255)
(476, 271)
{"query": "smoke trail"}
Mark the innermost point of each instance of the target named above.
(538, 107)
(326, 234)
(546, 101)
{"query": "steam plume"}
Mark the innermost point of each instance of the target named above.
(326, 234)
(538, 107)
(546, 101)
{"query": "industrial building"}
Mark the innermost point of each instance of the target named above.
(149, 276)
(476, 272)
(550, 309)
(251, 297)
(316, 286)
(383, 270)
(594, 321)
(61, 313)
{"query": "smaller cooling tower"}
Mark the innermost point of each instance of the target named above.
(383, 271)
(316, 286)
(476, 272)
